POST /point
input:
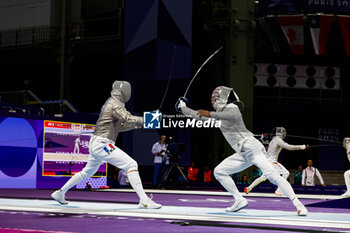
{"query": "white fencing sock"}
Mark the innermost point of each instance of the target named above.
(77, 178)
(256, 182)
(284, 176)
(136, 184)
(230, 186)
(286, 188)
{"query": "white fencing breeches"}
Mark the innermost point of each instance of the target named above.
(347, 180)
(252, 152)
(278, 167)
(102, 149)
(281, 169)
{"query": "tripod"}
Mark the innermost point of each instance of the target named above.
(168, 171)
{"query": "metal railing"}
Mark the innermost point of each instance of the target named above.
(85, 29)
(23, 101)
(28, 35)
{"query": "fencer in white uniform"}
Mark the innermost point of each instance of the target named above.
(248, 149)
(114, 118)
(346, 144)
(273, 151)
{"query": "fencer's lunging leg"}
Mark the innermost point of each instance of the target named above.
(269, 171)
(123, 161)
(271, 174)
(89, 170)
(227, 182)
(255, 183)
(285, 176)
(233, 164)
(136, 184)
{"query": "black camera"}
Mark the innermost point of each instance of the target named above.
(174, 149)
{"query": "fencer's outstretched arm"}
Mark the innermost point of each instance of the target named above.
(128, 127)
(287, 146)
(192, 113)
(230, 113)
(129, 121)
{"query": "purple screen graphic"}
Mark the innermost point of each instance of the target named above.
(66, 149)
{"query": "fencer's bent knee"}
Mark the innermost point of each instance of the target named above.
(87, 173)
(274, 177)
(217, 173)
(347, 173)
(131, 166)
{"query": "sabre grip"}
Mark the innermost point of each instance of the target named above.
(184, 100)
(178, 105)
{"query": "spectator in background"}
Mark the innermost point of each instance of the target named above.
(244, 179)
(236, 178)
(192, 172)
(207, 174)
(309, 175)
(160, 160)
(256, 172)
(112, 176)
(123, 179)
(298, 175)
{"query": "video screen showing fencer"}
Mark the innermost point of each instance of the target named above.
(66, 148)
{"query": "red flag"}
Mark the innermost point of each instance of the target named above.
(320, 27)
(344, 22)
(293, 29)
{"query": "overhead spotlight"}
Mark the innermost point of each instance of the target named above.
(330, 83)
(291, 70)
(330, 72)
(271, 81)
(272, 69)
(310, 82)
(291, 81)
(310, 71)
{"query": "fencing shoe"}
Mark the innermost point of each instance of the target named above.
(278, 193)
(59, 197)
(149, 204)
(301, 209)
(238, 205)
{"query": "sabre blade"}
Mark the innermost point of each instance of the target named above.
(303, 137)
(325, 145)
(205, 62)
(170, 76)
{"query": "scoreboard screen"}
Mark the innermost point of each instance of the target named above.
(66, 148)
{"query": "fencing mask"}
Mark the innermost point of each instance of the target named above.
(222, 96)
(280, 131)
(121, 90)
